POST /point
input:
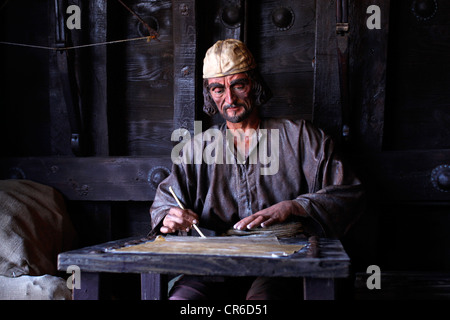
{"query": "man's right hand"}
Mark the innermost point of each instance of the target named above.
(178, 220)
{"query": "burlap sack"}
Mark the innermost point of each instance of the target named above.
(34, 228)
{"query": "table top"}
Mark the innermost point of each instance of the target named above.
(318, 257)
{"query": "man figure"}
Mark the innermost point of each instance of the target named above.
(310, 183)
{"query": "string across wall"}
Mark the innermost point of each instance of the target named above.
(148, 38)
(152, 35)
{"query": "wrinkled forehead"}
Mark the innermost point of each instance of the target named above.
(230, 80)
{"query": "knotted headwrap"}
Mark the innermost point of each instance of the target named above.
(227, 57)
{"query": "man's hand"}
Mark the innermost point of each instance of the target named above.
(277, 213)
(178, 220)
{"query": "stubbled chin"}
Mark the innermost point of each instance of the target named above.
(232, 113)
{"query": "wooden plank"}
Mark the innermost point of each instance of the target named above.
(98, 101)
(417, 113)
(92, 178)
(147, 79)
(407, 175)
(285, 51)
(332, 262)
(60, 131)
(285, 55)
(153, 286)
(327, 112)
(318, 289)
(185, 70)
(368, 62)
(90, 287)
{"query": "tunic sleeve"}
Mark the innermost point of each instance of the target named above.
(336, 196)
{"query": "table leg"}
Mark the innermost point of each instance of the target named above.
(89, 290)
(153, 286)
(319, 289)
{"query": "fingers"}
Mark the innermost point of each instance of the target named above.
(249, 222)
(254, 221)
(178, 220)
(266, 217)
(268, 222)
(166, 230)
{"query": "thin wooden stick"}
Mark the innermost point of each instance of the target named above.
(181, 206)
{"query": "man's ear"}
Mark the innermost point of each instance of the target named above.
(209, 106)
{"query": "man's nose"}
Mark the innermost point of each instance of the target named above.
(230, 97)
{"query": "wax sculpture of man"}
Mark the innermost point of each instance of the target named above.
(309, 181)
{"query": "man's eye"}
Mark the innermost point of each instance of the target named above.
(217, 90)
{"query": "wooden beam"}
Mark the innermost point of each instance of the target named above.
(368, 49)
(98, 101)
(327, 111)
(92, 178)
(407, 176)
(185, 53)
(153, 286)
(90, 287)
(319, 289)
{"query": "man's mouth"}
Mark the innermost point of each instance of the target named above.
(233, 108)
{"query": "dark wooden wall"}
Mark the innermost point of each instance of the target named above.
(25, 115)
(131, 95)
(400, 103)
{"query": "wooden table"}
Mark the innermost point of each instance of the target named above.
(320, 263)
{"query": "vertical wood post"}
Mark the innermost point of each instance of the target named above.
(368, 51)
(319, 289)
(98, 101)
(327, 111)
(185, 53)
(153, 286)
(90, 284)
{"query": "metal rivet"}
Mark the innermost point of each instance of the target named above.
(231, 16)
(157, 175)
(440, 178)
(424, 10)
(283, 18)
(152, 22)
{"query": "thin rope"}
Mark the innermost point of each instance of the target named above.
(75, 47)
(152, 35)
(150, 30)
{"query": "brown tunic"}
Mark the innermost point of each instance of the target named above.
(310, 172)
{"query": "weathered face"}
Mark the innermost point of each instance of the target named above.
(233, 96)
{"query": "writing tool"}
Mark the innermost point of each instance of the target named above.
(181, 206)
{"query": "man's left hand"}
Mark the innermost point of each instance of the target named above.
(277, 213)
